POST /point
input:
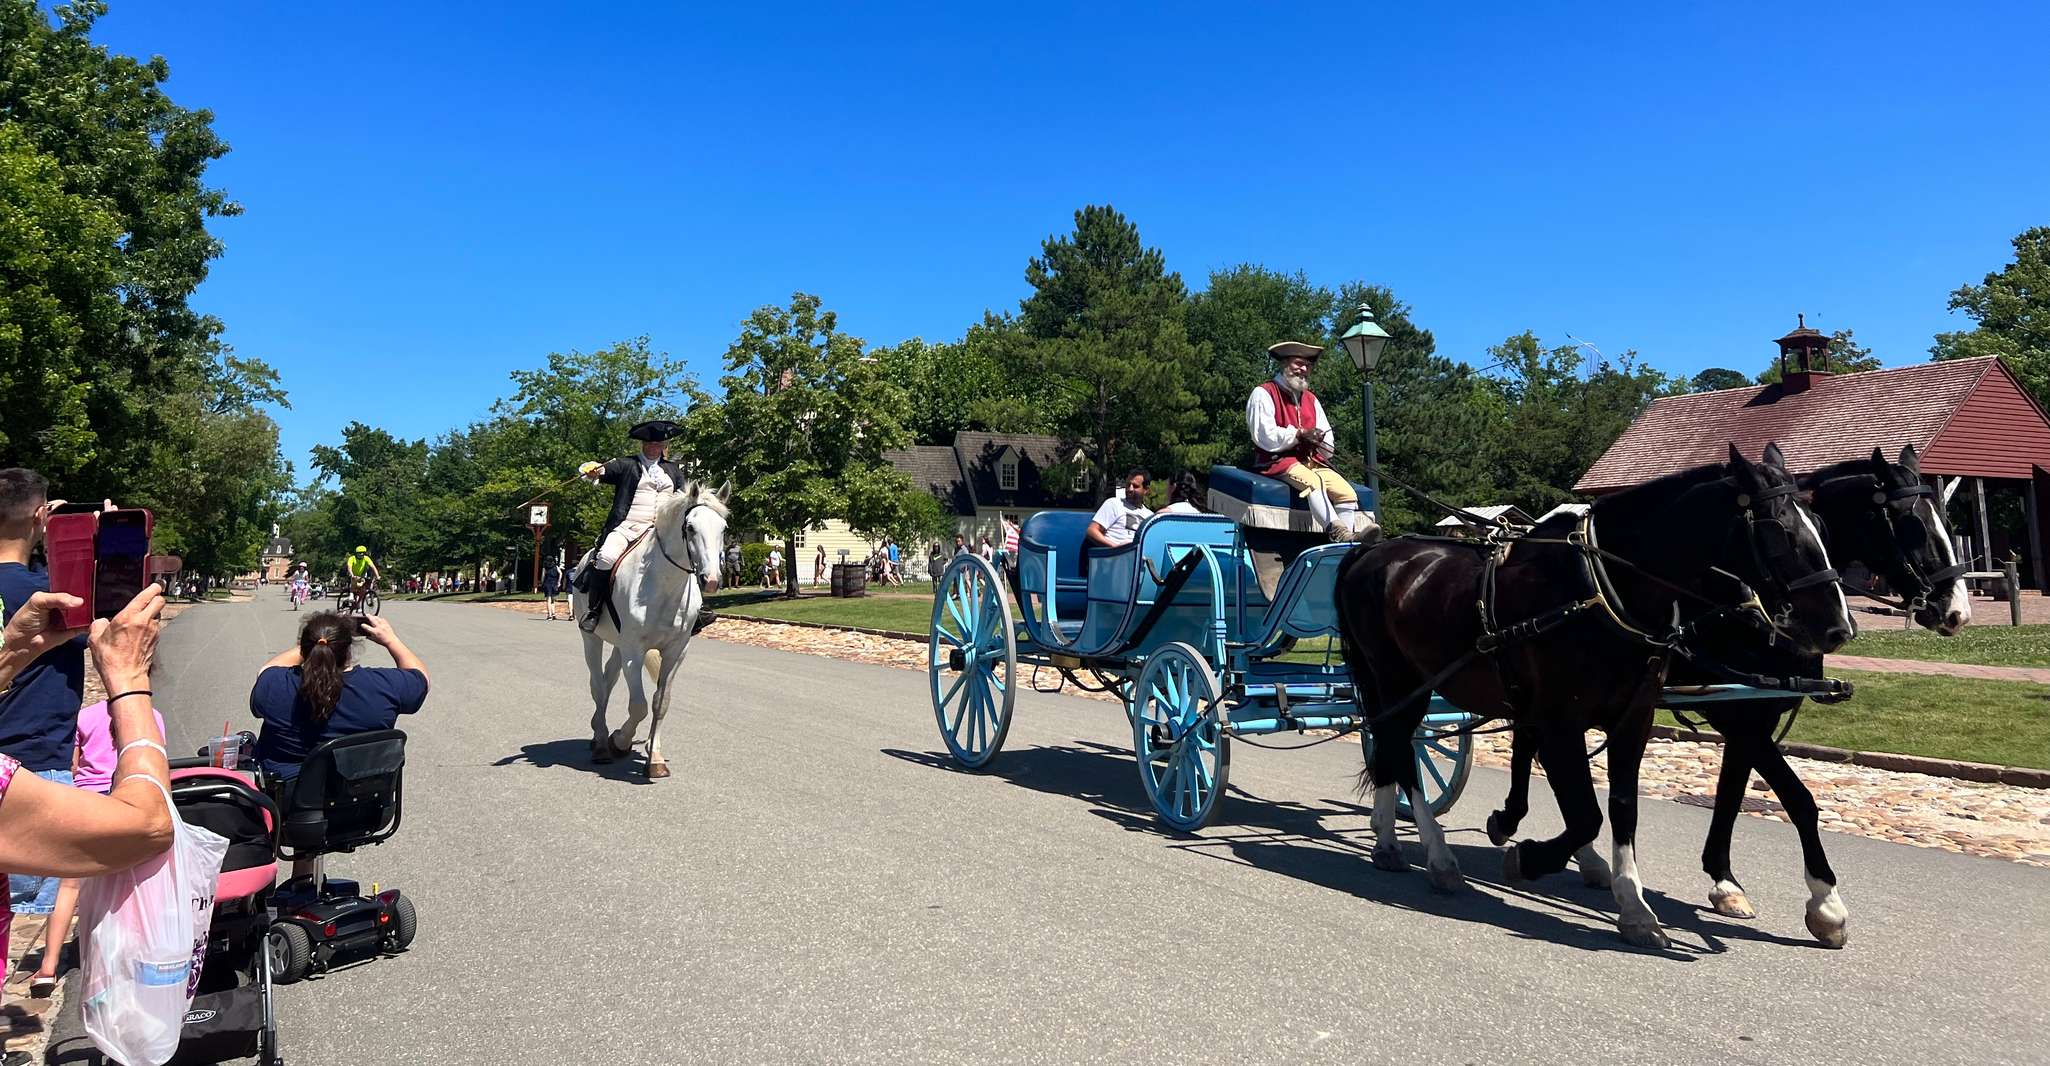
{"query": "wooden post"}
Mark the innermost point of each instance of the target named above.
(2014, 590)
(1985, 534)
(2029, 503)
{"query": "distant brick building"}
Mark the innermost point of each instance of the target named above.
(1969, 420)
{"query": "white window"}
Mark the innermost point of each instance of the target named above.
(1007, 475)
(1082, 480)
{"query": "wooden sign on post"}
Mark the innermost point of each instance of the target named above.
(537, 517)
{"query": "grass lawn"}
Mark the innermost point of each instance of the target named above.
(2005, 722)
(907, 609)
(1980, 645)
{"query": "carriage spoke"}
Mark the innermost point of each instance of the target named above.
(959, 680)
(1431, 765)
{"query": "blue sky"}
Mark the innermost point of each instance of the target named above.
(439, 194)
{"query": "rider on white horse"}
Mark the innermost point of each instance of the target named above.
(640, 485)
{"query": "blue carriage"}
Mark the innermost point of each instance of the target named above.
(1203, 624)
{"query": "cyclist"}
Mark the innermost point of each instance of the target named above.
(362, 573)
(299, 587)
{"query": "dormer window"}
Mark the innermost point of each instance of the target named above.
(1007, 474)
(1082, 480)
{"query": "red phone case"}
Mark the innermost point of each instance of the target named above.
(69, 545)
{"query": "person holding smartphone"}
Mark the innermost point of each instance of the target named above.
(39, 710)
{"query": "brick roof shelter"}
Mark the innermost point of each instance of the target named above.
(1967, 417)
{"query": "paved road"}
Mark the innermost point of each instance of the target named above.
(816, 885)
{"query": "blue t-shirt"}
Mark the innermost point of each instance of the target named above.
(372, 698)
(39, 713)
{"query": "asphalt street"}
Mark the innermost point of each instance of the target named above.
(817, 885)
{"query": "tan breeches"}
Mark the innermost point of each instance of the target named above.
(1306, 479)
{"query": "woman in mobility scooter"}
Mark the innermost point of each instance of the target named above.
(332, 761)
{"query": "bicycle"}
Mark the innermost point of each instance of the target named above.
(347, 602)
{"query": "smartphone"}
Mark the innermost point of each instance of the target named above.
(81, 507)
(122, 547)
(68, 544)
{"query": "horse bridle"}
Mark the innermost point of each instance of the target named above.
(1924, 585)
(689, 551)
(1782, 548)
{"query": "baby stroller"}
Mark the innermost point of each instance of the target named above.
(347, 795)
(232, 1014)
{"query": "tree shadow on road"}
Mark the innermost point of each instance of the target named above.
(575, 754)
(1313, 843)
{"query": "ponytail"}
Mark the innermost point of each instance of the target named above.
(323, 655)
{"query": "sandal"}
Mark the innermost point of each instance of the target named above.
(41, 987)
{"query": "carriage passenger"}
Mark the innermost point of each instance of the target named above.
(1116, 522)
(1292, 441)
(1183, 495)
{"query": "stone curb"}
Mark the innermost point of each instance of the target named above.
(1984, 773)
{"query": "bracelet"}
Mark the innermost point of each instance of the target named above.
(131, 692)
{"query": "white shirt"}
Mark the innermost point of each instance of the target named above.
(1180, 507)
(654, 477)
(655, 484)
(1269, 437)
(1120, 521)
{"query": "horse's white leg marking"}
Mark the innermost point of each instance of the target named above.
(1387, 850)
(1843, 606)
(1438, 860)
(1633, 915)
(1827, 915)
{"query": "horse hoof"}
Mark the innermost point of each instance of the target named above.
(1646, 934)
(1595, 872)
(1447, 878)
(1497, 835)
(1828, 933)
(619, 749)
(1732, 902)
(1389, 857)
(657, 771)
(601, 753)
(1512, 865)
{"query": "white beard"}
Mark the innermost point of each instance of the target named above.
(1295, 385)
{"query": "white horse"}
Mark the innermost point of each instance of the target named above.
(658, 588)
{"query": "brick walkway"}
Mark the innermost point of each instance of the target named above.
(2039, 675)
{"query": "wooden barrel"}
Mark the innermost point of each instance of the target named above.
(850, 579)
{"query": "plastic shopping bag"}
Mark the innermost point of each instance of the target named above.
(147, 937)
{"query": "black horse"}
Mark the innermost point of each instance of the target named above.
(1875, 513)
(1569, 629)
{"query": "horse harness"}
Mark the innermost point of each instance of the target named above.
(1772, 549)
(1900, 534)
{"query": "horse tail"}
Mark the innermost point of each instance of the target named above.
(1346, 590)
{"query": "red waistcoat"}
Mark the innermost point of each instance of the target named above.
(1294, 413)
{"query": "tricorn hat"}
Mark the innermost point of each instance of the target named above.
(1292, 349)
(658, 429)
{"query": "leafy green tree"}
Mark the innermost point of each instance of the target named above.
(2011, 315)
(1716, 377)
(971, 383)
(802, 426)
(1245, 309)
(378, 501)
(1846, 356)
(1105, 324)
(1557, 417)
(98, 278)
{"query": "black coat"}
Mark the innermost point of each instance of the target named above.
(624, 475)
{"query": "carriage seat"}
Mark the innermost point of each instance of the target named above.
(1261, 502)
(349, 794)
(1066, 533)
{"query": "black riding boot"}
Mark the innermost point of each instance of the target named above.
(599, 590)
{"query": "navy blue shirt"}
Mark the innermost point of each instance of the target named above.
(372, 698)
(39, 713)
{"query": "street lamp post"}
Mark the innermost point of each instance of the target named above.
(1364, 342)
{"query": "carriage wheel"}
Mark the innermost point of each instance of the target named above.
(1443, 762)
(1184, 754)
(972, 658)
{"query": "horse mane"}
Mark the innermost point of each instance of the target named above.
(693, 493)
